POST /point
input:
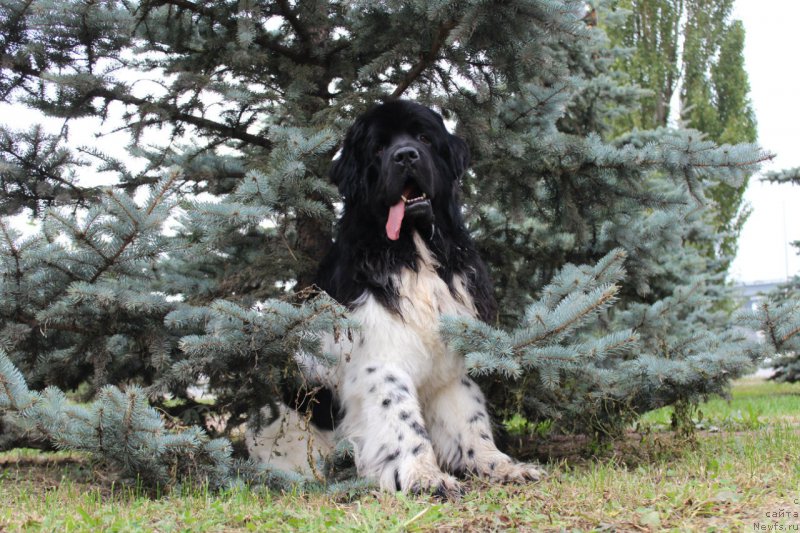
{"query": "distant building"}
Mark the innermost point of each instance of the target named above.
(753, 292)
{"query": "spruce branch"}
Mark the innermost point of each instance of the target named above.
(120, 427)
(791, 175)
(10, 243)
(427, 59)
(537, 345)
(165, 112)
(168, 112)
(132, 215)
(291, 17)
(779, 318)
(181, 4)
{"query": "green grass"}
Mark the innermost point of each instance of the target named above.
(727, 480)
(753, 403)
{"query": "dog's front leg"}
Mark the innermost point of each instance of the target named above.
(462, 436)
(383, 420)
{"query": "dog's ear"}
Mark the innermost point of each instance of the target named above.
(459, 153)
(344, 172)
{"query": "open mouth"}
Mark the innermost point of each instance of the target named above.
(414, 202)
(412, 195)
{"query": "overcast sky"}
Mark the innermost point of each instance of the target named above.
(770, 57)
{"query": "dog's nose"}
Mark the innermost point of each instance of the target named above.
(406, 155)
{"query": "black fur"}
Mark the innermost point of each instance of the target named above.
(321, 402)
(363, 258)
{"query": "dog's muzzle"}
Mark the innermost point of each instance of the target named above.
(407, 162)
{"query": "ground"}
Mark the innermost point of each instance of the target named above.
(742, 474)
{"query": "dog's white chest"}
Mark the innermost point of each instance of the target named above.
(410, 338)
(425, 297)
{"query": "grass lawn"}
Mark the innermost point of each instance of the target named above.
(743, 473)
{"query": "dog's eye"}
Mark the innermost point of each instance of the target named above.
(424, 139)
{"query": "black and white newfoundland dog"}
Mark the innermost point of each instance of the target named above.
(402, 259)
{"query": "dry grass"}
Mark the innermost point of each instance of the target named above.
(729, 480)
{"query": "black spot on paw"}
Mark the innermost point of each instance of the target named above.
(420, 430)
(371, 369)
(397, 479)
(416, 450)
(485, 436)
(390, 378)
(470, 453)
(491, 466)
(386, 402)
(467, 383)
(372, 389)
(404, 415)
(403, 388)
(392, 456)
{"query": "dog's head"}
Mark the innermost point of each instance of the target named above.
(400, 164)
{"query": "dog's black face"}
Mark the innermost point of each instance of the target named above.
(401, 164)
(399, 172)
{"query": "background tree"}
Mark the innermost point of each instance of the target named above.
(196, 269)
(695, 49)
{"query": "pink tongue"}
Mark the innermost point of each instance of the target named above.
(395, 220)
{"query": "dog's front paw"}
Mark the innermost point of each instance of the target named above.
(421, 477)
(439, 484)
(515, 472)
(503, 469)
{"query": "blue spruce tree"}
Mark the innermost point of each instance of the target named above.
(206, 280)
